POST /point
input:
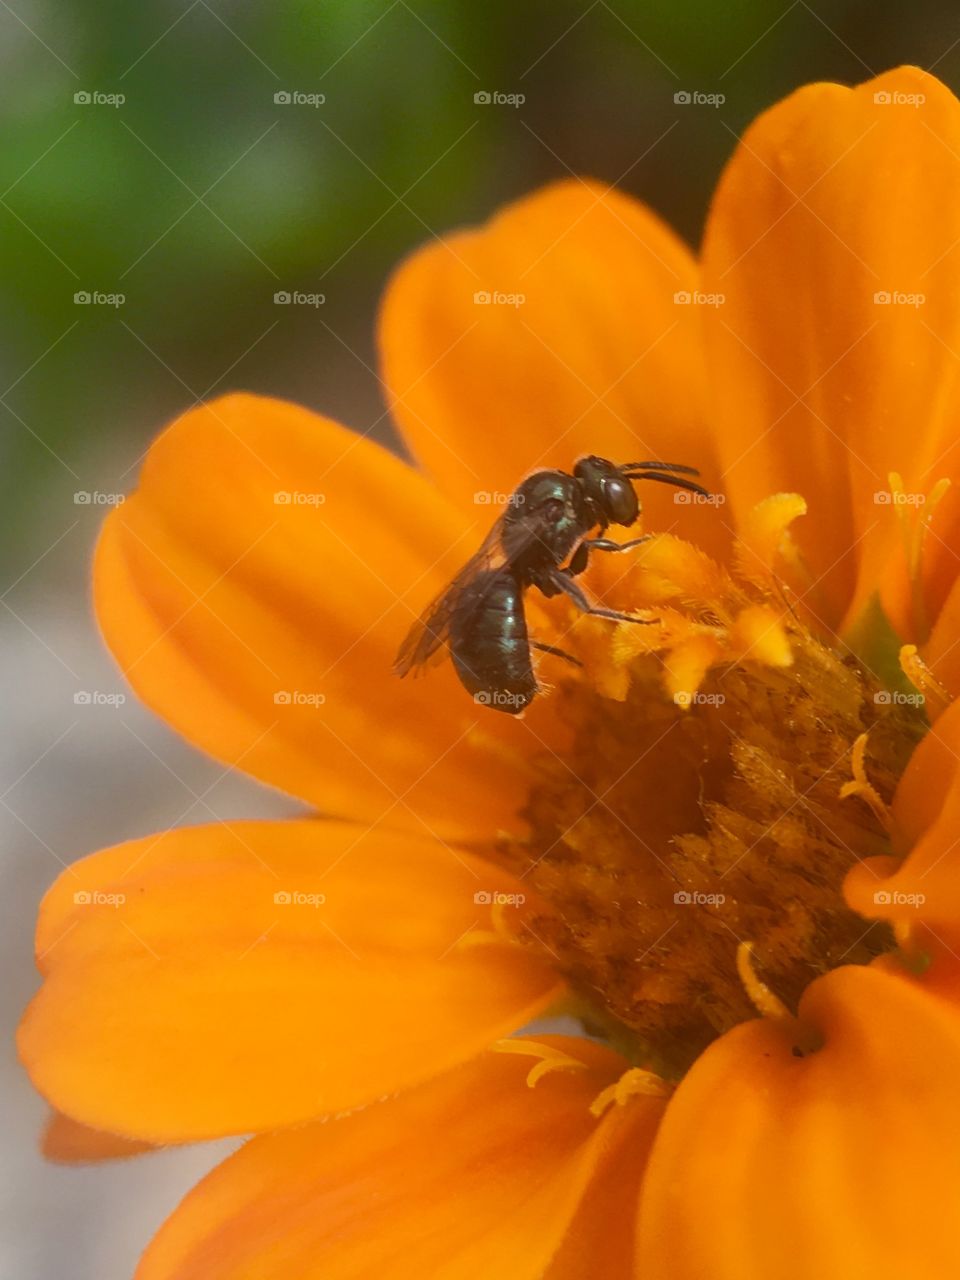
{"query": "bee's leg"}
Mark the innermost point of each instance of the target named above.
(578, 561)
(545, 584)
(557, 653)
(580, 557)
(561, 579)
(608, 544)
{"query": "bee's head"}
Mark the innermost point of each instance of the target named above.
(609, 489)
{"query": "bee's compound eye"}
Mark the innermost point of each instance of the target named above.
(620, 500)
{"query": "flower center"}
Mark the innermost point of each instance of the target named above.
(675, 829)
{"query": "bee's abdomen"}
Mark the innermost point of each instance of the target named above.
(490, 646)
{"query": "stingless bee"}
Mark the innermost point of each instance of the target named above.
(480, 616)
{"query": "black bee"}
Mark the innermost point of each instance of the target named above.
(480, 615)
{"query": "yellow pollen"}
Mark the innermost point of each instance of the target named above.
(632, 1084)
(761, 997)
(499, 934)
(861, 786)
(765, 543)
(549, 1058)
(922, 678)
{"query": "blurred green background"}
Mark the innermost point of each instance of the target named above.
(200, 196)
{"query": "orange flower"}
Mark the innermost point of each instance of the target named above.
(747, 808)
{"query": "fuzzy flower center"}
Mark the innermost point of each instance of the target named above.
(709, 800)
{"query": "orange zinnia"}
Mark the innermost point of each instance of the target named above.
(748, 808)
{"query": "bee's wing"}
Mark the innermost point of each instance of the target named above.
(504, 545)
(432, 629)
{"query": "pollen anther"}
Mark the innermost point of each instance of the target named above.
(632, 1083)
(937, 699)
(761, 997)
(550, 1059)
(860, 785)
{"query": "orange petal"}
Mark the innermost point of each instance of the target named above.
(244, 976)
(839, 211)
(602, 1238)
(66, 1141)
(839, 1163)
(942, 650)
(265, 630)
(598, 357)
(473, 1175)
(924, 889)
(927, 780)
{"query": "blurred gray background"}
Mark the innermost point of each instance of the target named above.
(198, 197)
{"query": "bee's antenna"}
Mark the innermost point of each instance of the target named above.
(660, 466)
(676, 481)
